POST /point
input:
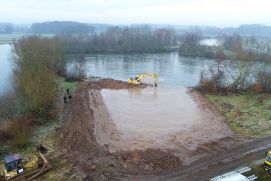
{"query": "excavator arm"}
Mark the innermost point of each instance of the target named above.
(137, 80)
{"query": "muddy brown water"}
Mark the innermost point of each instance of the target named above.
(151, 112)
(174, 120)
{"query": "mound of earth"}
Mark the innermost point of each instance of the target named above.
(112, 84)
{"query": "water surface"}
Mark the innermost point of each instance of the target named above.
(162, 117)
(151, 111)
(173, 70)
(5, 66)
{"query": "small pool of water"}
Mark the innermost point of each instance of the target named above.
(151, 111)
(164, 118)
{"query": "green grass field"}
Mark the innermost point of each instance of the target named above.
(66, 85)
(247, 114)
(260, 173)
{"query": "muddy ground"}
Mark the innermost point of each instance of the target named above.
(88, 139)
(95, 160)
(243, 155)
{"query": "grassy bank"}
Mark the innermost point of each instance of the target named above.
(260, 173)
(247, 114)
(65, 84)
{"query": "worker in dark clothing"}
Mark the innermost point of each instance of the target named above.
(68, 91)
(65, 99)
(70, 98)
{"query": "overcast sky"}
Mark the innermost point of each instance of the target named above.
(182, 12)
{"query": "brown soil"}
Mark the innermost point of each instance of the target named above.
(225, 161)
(78, 141)
(111, 84)
(94, 156)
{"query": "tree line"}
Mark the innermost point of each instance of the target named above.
(121, 40)
(6, 28)
(233, 47)
(61, 27)
(191, 46)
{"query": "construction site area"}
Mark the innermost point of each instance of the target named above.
(135, 90)
(113, 130)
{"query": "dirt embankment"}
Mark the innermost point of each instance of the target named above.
(97, 163)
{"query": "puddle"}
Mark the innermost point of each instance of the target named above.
(164, 118)
(151, 112)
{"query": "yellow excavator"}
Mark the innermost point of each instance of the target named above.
(14, 167)
(137, 80)
(267, 162)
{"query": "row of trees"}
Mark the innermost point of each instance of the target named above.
(121, 40)
(61, 27)
(247, 48)
(228, 76)
(6, 28)
(235, 46)
(191, 46)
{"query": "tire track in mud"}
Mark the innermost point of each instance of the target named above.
(211, 166)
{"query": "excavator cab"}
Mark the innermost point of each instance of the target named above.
(267, 162)
(13, 166)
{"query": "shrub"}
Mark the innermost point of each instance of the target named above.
(7, 105)
(37, 62)
(261, 99)
(263, 78)
(257, 87)
(20, 129)
(5, 135)
(212, 81)
(220, 55)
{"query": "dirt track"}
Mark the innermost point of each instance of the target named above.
(212, 166)
(81, 139)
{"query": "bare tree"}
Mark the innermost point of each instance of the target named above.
(36, 62)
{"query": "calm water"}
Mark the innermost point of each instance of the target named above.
(158, 117)
(147, 105)
(172, 69)
(5, 66)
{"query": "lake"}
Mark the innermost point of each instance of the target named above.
(173, 70)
